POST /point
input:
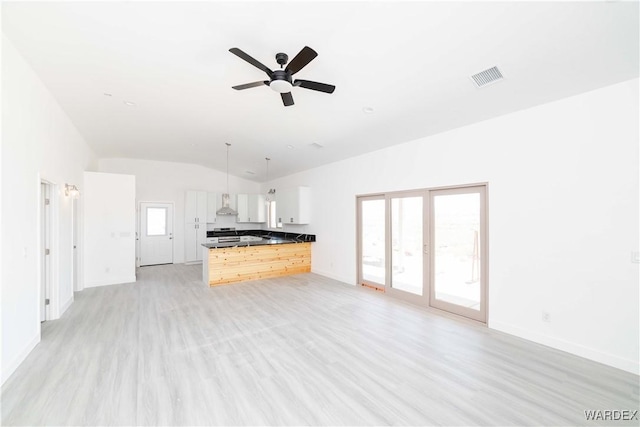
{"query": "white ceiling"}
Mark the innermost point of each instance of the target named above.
(410, 62)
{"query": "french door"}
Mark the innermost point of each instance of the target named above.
(426, 246)
(372, 229)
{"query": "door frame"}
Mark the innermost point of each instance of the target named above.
(359, 279)
(139, 229)
(76, 240)
(48, 223)
(426, 262)
(481, 314)
(425, 299)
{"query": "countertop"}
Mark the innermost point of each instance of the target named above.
(263, 242)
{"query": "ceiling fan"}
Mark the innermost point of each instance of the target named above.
(281, 80)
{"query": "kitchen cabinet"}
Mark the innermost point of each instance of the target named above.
(195, 225)
(213, 199)
(195, 234)
(195, 207)
(251, 208)
(238, 264)
(293, 205)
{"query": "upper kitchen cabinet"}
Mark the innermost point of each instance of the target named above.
(195, 207)
(251, 208)
(212, 206)
(293, 205)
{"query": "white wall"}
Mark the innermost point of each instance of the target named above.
(563, 215)
(168, 181)
(109, 229)
(38, 141)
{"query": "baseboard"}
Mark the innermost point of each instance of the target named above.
(333, 276)
(628, 365)
(65, 306)
(13, 365)
(111, 281)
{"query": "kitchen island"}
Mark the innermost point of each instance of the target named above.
(258, 255)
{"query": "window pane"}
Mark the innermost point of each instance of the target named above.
(406, 236)
(373, 229)
(156, 221)
(272, 218)
(456, 244)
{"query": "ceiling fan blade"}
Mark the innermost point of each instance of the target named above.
(287, 99)
(250, 85)
(250, 60)
(303, 57)
(320, 87)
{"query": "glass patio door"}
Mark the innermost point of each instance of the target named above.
(427, 247)
(372, 258)
(407, 243)
(457, 250)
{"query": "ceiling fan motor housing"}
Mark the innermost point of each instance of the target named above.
(282, 58)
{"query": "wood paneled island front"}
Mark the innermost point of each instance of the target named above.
(222, 265)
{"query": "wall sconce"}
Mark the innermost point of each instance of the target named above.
(71, 190)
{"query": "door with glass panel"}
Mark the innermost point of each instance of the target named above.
(457, 251)
(427, 247)
(372, 259)
(407, 247)
(156, 233)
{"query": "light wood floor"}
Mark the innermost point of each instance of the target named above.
(297, 350)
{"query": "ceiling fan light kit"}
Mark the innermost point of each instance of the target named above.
(281, 86)
(281, 81)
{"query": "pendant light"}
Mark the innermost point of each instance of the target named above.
(225, 209)
(272, 192)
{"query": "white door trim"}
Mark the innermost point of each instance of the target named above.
(52, 311)
(76, 239)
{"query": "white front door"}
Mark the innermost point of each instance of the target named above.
(156, 233)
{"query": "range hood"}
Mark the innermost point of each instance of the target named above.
(225, 209)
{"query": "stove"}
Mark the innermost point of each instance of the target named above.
(224, 234)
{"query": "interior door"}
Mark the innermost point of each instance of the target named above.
(75, 239)
(45, 245)
(457, 251)
(156, 233)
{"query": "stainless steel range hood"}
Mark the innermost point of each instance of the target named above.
(225, 209)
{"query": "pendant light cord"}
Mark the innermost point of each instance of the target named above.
(228, 145)
(267, 197)
(267, 159)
